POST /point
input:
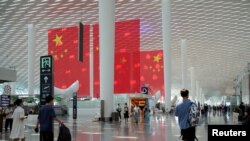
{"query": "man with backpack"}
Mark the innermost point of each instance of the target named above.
(46, 117)
(187, 113)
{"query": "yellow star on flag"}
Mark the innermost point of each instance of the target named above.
(157, 58)
(97, 48)
(58, 40)
(124, 60)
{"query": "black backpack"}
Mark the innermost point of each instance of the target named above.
(64, 133)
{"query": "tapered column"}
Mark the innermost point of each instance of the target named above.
(166, 50)
(197, 91)
(193, 91)
(184, 63)
(200, 93)
(31, 56)
(107, 34)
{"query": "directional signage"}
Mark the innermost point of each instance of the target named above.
(144, 90)
(46, 78)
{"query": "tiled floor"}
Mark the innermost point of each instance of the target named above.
(161, 128)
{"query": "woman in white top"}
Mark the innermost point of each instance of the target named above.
(17, 132)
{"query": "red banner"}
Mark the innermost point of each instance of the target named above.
(63, 45)
(127, 57)
(152, 72)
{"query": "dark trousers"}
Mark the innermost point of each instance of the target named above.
(8, 122)
(46, 136)
(188, 134)
(120, 116)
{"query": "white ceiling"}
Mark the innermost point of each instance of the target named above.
(217, 33)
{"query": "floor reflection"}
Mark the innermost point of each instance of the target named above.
(161, 127)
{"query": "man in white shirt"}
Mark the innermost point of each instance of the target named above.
(17, 132)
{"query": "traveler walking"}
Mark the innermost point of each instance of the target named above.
(17, 132)
(136, 114)
(45, 119)
(182, 111)
(119, 110)
(242, 109)
(147, 114)
(126, 114)
(246, 119)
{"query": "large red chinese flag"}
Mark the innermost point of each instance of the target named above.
(63, 45)
(127, 57)
(152, 70)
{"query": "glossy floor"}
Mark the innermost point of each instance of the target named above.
(162, 127)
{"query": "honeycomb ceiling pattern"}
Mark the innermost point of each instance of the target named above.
(217, 33)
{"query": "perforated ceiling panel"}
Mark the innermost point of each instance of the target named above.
(217, 33)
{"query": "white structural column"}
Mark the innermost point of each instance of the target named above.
(31, 56)
(166, 50)
(247, 89)
(13, 88)
(184, 63)
(107, 35)
(197, 91)
(91, 65)
(193, 91)
(200, 95)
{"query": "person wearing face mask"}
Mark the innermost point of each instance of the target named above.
(17, 132)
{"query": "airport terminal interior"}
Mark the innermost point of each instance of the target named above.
(96, 56)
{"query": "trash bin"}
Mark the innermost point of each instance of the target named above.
(115, 116)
